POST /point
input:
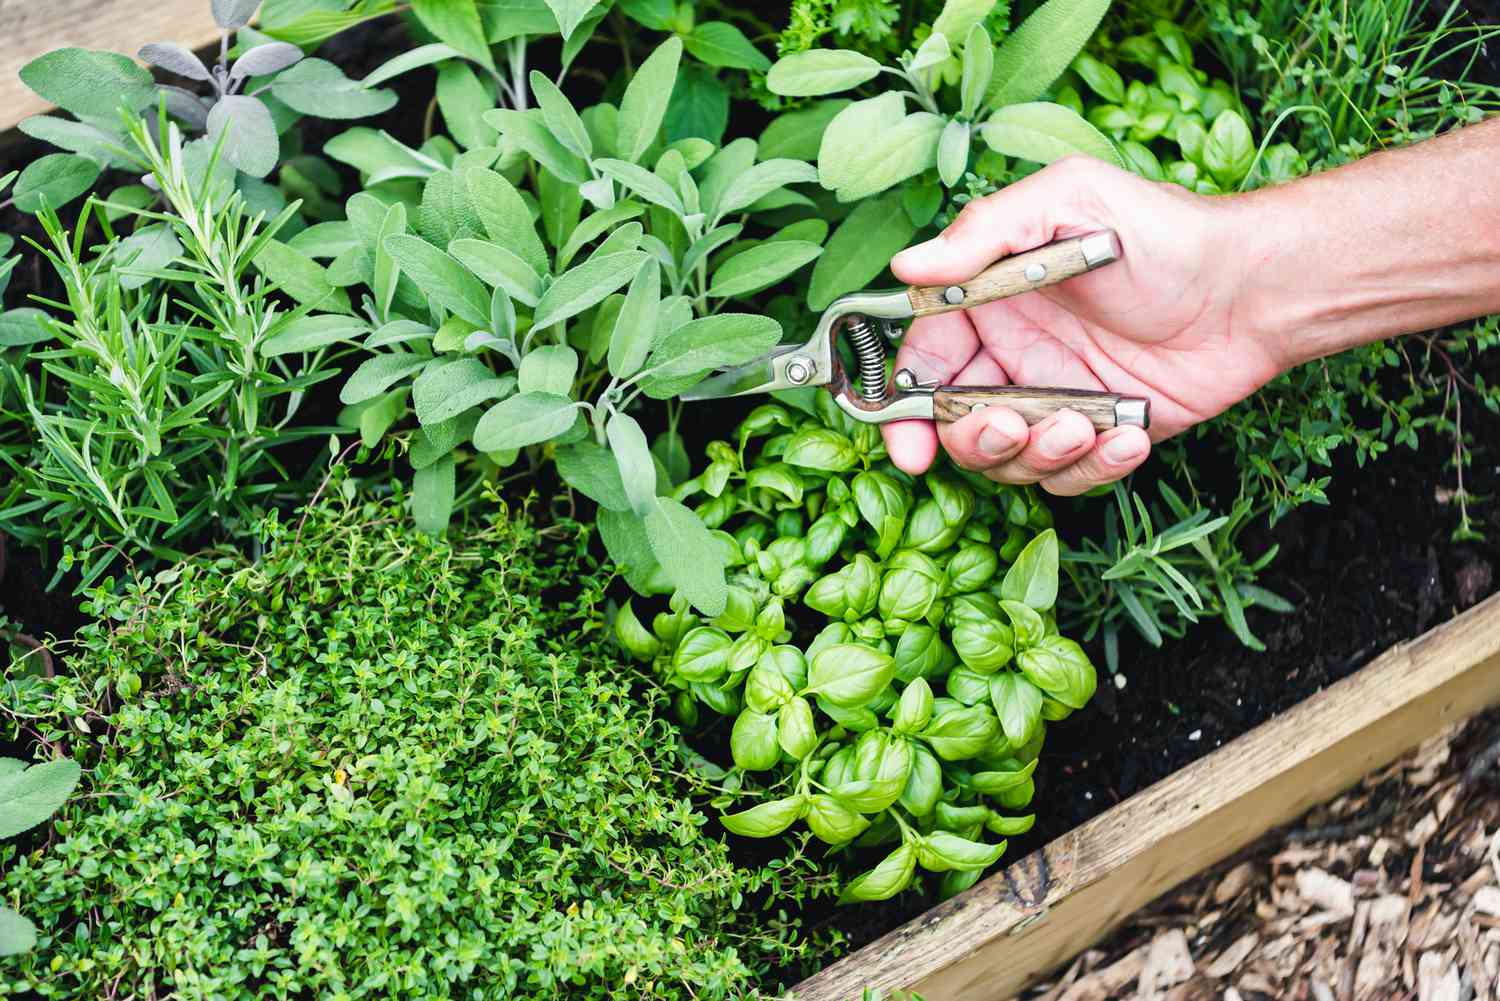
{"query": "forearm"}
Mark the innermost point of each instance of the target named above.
(1401, 241)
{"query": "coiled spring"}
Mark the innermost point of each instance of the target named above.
(869, 358)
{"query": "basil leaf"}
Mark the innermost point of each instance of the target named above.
(914, 709)
(850, 675)
(993, 783)
(920, 652)
(1032, 579)
(821, 449)
(941, 851)
(703, 655)
(1059, 667)
(752, 742)
(795, 730)
(961, 733)
(984, 645)
(924, 786)
(883, 504)
(767, 819)
(870, 795)
(887, 879)
(1018, 704)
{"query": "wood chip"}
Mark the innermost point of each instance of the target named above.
(1230, 959)
(1168, 963)
(1235, 882)
(1437, 978)
(1322, 889)
(1487, 900)
(1423, 830)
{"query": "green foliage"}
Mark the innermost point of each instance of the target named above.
(372, 763)
(28, 796)
(888, 650)
(253, 103)
(142, 412)
(1163, 579)
(532, 295)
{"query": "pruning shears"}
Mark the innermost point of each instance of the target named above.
(871, 318)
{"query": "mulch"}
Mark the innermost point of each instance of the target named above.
(1391, 892)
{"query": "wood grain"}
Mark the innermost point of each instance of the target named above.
(1059, 261)
(29, 28)
(1009, 930)
(1034, 404)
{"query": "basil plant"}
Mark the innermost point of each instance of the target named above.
(246, 106)
(888, 651)
(520, 293)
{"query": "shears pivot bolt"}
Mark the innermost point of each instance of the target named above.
(799, 370)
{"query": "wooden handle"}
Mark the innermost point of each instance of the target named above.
(1026, 272)
(1036, 404)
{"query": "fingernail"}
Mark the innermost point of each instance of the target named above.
(1062, 438)
(1122, 448)
(994, 442)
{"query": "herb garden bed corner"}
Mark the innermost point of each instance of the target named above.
(1003, 934)
(30, 29)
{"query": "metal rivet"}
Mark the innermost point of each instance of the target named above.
(906, 379)
(1036, 272)
(953, 295)
(977, 407)
(798, 371)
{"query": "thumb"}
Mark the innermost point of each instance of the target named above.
(1023, 216)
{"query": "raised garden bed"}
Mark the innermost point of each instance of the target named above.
(1041, 911)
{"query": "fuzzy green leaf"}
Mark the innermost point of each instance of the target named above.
(456, 22)
(693, 561)
(644, 104)
(317, 87)
(761, 266)
(694, 349)
(446, 281)
(719, 43)
(859, 249)
(1043, 132)
(90, 84)
(525, 419)
(586, 285)
(820, 71)
(635, 324)
(54, 180)
(31, 796)
(1037, 53)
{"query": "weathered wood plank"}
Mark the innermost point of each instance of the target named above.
(992, 941)
(29, 28)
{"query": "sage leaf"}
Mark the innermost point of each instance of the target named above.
(422, 55)
(267, 58)
(797, 135)
(759, 181)
(530, 133)
(953, 152)
(1032, 578)
(550, 368)
(248, 134)
(1034, 55)
(699, 108)
(1043, 132)
(231, 14)
(560, 117)
(30, 796)
(318, 87)
(644, 183)
(444, 391)
(633, 455)
(760, 267)
(524, 419)
(644, 104)
(570, 14)
(463, 99)
(92, 85)
(766, 819)
(635, 324)
(456, 22)
(820, 71)
(81, 138)
(859, 249)
(887, 879)
(377, 374)
(719, 43)
(54, 180)
(447, 282)
(499, 268)
(959, 16)
(693, 561)
(17, 935)
(979, 66)
(586, 285)
(685, 355)
(933, 50)
(300, 277)
(176, 59)
(874, 144)
(432, 493)
(592, 470)
(309, 333)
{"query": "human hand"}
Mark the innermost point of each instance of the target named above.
(1159, 323)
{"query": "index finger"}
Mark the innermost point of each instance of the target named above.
(936, 348)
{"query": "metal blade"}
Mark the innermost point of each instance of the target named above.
(755, 377)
